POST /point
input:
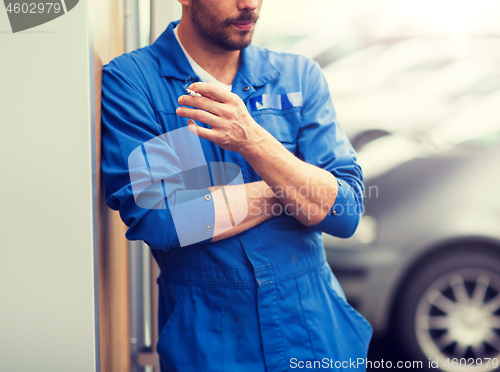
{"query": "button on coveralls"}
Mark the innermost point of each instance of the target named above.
(263, 300)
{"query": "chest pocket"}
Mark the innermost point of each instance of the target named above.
(279, 114)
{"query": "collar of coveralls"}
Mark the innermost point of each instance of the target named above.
(173, 63)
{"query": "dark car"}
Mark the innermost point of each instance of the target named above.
(424, 265)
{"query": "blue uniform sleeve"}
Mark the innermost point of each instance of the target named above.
(141, 172)
(322, 142)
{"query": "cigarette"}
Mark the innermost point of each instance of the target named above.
(192, 93)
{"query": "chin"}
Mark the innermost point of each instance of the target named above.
(244, 39)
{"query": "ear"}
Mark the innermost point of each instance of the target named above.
(185, 2)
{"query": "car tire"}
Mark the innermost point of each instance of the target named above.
(448, 312)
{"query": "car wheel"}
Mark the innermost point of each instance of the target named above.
(449, 313)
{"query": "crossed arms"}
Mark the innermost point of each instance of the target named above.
(233, 129)
(130, 121)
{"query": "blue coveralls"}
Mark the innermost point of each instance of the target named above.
(264, 300)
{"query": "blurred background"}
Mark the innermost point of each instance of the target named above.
(416, 86)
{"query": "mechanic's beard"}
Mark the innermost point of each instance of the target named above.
(216, 33)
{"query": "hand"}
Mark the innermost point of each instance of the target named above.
(231, 126)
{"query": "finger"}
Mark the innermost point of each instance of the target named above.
(202, 103)
(199, 115)
(212, 91)
(195, 94)
(200, 131)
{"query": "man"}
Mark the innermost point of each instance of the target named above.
(244, 284)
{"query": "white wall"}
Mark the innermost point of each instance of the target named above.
(162, 13)
(47, 291)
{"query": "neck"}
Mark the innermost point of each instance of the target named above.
(220, 63)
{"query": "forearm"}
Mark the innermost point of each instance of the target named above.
(241, 207)
(307, 192)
